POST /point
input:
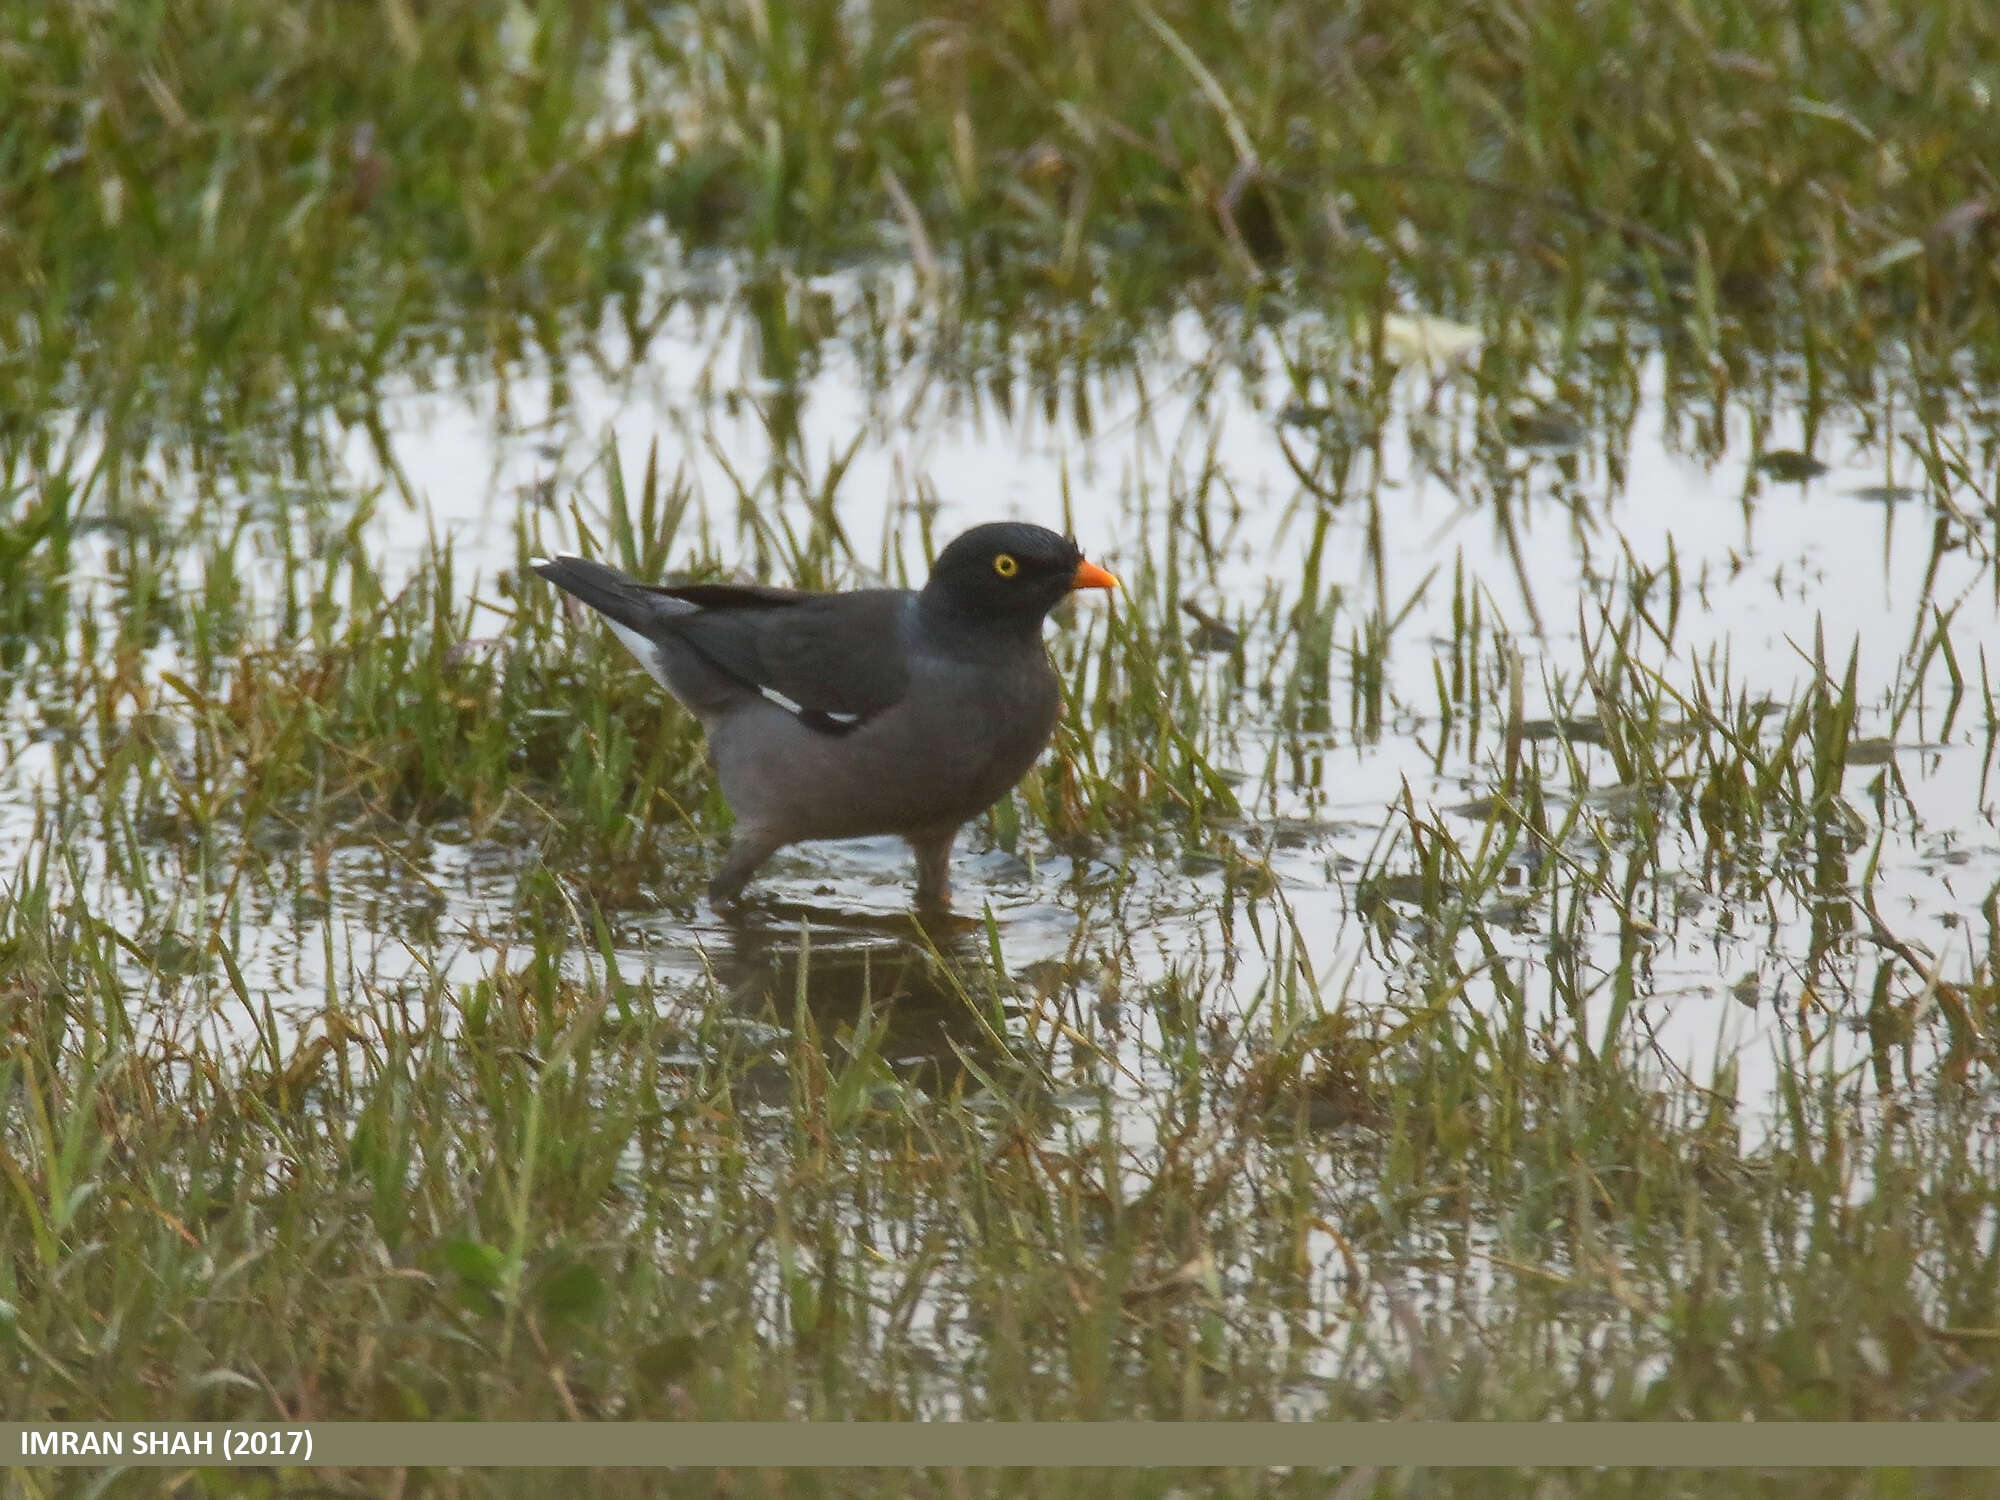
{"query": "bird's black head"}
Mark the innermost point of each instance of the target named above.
(1009, 573)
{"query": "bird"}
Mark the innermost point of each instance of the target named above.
(876, 711)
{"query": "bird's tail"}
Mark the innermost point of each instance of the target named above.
(624, 601)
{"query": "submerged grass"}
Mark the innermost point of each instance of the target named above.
(355, 1064)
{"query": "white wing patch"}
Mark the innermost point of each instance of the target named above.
(824, 720)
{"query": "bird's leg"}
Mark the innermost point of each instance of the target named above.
(933, 851)
(749, 849)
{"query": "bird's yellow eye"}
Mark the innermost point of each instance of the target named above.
(1005, 565)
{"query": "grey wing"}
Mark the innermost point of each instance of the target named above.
(832, 661)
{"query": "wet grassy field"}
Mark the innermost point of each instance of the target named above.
(1509, 925)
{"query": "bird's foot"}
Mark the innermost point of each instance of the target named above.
(751, 848)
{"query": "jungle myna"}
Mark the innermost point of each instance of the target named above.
(883, 711)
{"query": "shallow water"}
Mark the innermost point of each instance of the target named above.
(1181, 456)
(1768, 565)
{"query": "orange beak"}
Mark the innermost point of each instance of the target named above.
(1090, 576)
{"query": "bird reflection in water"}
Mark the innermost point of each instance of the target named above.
(926, 981)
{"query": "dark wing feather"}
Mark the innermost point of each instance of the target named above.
(833, 660)
(735, 595)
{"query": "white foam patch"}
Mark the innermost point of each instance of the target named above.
(642, 647)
